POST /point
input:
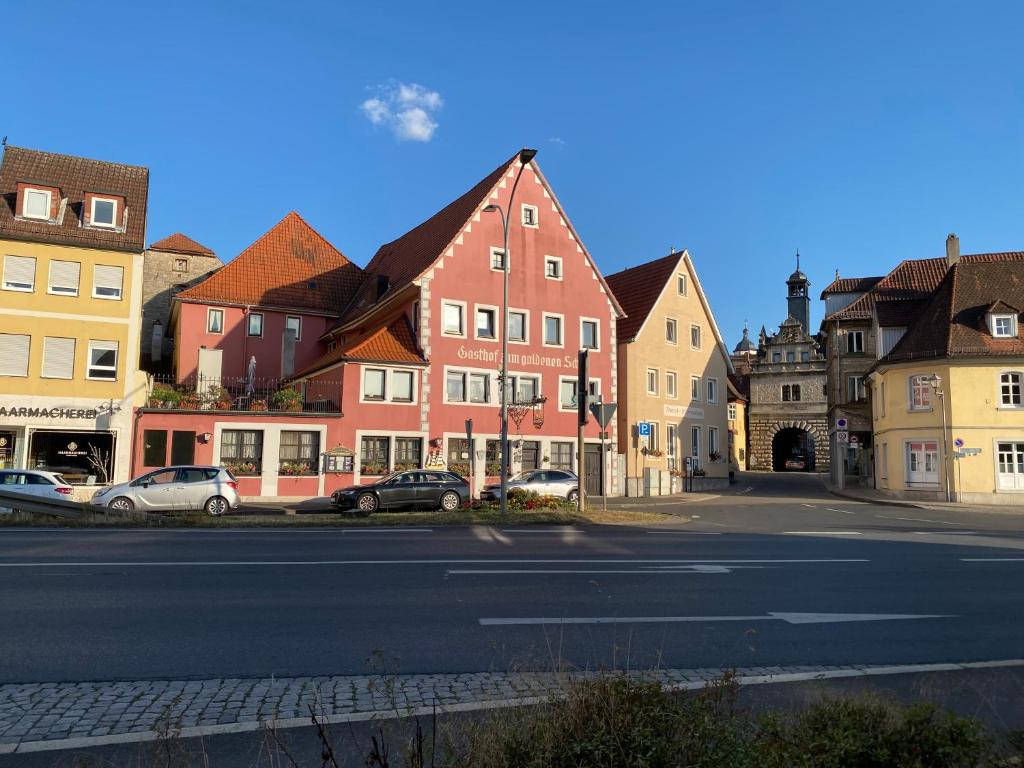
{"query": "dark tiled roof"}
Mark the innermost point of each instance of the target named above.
(850, 285)
(290, 267)
(637, 290)
(391, 343)
(953, 323)
(74, 176)
(179, 243)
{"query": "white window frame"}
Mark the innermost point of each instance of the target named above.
(854, 339)
(496, 314)
(363, 396)
(553, 260)
(938, 463)
(19, 288)
(74, 350)
(493, 392)
(248, 325)
(1012, 326)
(696, 389)
(653, 374)
(24, 203)
(654, 441)
(55, 290)
(672, 389)
(210, 311)
(561, 329)
(700, 336)
(176, 261)
(712, 389)
(714, 444)
(673, 323)
(696, 435)
(95, 288)
(463, 306)
(731, 411)
(495, 251)
(912, 382)
(92, 211)
(526, 325)
(393, 373)
(536, 216)
(856, 389)
(597, 333)
(681, 280)
(671, 437)
(465, 385)
(99, 344)
(298, 331)
(1019, 384)
(575, 388)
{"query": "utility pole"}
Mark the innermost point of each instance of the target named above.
(582, 390)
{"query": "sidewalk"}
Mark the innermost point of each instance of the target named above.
(872, 496)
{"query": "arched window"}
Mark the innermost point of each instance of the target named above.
(1010, 389)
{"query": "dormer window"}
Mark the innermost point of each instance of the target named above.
(1004, 326)
(103, 212)
(37, 204)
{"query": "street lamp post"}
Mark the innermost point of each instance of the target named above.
(935, 382)
(525, 156)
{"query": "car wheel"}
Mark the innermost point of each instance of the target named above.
(450, 501)
(121, 504)
(366, 504)
(573, 496)
(216, 506)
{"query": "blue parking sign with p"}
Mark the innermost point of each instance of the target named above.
(644, 429)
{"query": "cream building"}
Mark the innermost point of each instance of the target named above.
(673, 372)
(72, 233)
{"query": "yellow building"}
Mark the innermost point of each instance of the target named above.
(947, 400)
(72, 235)
(672, 374)
(737, 417)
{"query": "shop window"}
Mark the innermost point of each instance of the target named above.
(408, 453)
(300, 453)
(241, 451)
(154, 447)
(374, 456)
(561, 456)
(102, 360)
(458, 456)
(183, 448)
(107, 282)
(492, 458)
(83, 458)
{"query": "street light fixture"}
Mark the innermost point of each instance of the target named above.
(525, 156)
(935, 381)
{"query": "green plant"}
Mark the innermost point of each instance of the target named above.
(218, 398)
(163, 395)
(459, 468)
(189, 401)
(296, 468)
(493, 468)
(286, 399)
(242, 468)
(258, 405)
(373, 468)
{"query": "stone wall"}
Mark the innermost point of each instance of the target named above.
(160, 282)
(764, 427)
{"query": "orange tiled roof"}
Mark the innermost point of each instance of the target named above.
(392, 343)
(290, 267)
(637, 290)
(179, 243)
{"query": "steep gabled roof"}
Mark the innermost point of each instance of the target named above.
(391, 343)
(638, 289)
(290, 267)
(179, 243)
(850, 285)
(74, 176)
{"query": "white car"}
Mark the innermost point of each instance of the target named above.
(34, 482)
(544, 482)
(180, 489)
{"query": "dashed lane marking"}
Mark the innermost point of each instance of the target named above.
(822, 533)
(918, 520)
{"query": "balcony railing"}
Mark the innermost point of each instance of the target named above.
(245, 394)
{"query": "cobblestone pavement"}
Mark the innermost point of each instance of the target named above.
(96, 711)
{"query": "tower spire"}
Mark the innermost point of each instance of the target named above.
(797, 259)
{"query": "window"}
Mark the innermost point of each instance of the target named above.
(299, 453)
(453, 321)
(805, 357)
(374, 456)
(785, 393)
(36, 204)
(791, 357)
(455, 386)
(922, 463)
(529, 215)
(415, 318)
(670, 384)
(102, 360)
(183, 449)
(670, 445)
(713, 450)
(215, 321)
(19, 273)
(58, 358)
(553, 267)
(517, 326)
(522, 389)
(588, 334)
(1010, 390)
(497, 259)
(796, 393)
(652, 381)
(920, 393)
(107, 281)
(104, 212)
(255, 324)
(561, 456)
(241, 451)
(486, 323)
(732, 411)
(552, 330)
(154, 447)
(790, 393)
(408, 452)
(670, 331)
(492, 457)
(373, 383)
(883, 468)
(681, 284)
(401, 386)
(776, 357)
(695, 388)
(567, 394)
(695, 444)
(855, 391)
(479, 388)
(292, 323)
(14, 349)
(854, 342)
(64, 277)
(1011, 466)
(1004, 326)
(653, 442)
(458, 454)
(712, 390)
(181, 265)
(695, 336)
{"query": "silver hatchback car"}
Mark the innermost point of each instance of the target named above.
(174, 489)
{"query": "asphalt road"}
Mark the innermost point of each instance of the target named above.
(79, 605)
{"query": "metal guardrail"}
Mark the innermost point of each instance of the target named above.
(24, 502)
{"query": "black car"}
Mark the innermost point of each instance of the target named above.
(431, 488)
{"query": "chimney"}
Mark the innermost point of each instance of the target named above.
(952, 249)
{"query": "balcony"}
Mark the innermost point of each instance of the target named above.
(243, 395)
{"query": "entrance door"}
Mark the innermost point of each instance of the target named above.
(7, 440)
(923, 463)
(1011, 466)
(592, 469)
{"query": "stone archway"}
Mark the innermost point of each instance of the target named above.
(798, 436)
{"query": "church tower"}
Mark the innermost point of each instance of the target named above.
(799, 297)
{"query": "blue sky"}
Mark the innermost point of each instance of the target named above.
(860, 133)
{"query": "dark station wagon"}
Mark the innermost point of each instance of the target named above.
(430, 488)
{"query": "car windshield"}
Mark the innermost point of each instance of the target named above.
(389, 479)
(522, 477)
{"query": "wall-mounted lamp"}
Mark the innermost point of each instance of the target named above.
(206, 437)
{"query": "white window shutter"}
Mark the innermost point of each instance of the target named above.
(65, 274)
(58, 358)
(20, 270)
(14, 354)
(109, 277)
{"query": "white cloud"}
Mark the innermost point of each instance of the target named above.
(406, 108)
(557, 140)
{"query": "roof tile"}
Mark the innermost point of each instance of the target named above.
(637, 290)
(179, 243)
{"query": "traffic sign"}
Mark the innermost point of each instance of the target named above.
(968, 452)
(854, 439)
(603, 412)
(841, 424)
(643, 429)
(958, 443)
(842, 437)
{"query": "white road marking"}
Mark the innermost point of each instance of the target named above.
(946, 533)
(541, 530)
(695, 569)
(992, 559)
(917, 520)
(822, 533)
(748, 489)
(789, 618)
(829, 509)
(497, 562)
(388, 530)
(687, 533)
(811, 506)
